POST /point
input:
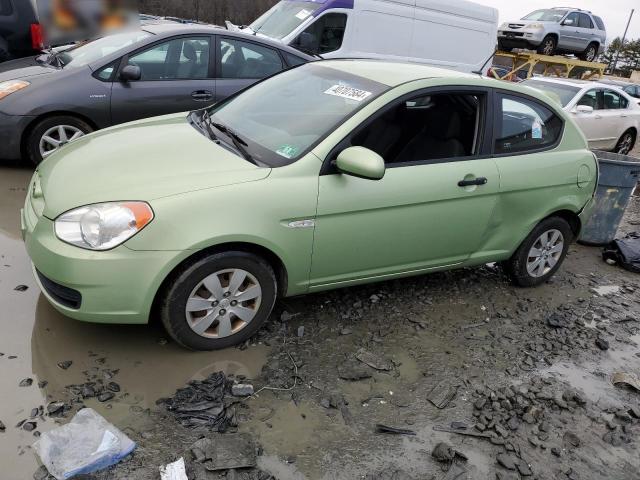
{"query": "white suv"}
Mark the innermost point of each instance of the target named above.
(556, 30)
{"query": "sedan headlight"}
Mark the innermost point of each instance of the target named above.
(103, 226)
(12, 86)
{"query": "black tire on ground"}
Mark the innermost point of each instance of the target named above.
(548, 45)
(626, 142)
(32, 144)
(173, 300)
(590, 53)
(516, 266)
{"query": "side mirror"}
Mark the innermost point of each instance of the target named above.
(361, 162)
(130, 73)
(584, 109)
(567, 23)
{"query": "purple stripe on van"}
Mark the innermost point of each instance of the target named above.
(333, 4)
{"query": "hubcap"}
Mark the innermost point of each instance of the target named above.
(223, 303)
(545, 253)
(625, 144)
(57, 137)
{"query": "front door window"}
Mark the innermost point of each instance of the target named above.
(325, 35)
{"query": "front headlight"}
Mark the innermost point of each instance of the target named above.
(535, 26)
(103, 226)
(12, 86)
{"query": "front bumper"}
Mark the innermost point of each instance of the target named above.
(12, 128)
(117, 286)
(520, 38)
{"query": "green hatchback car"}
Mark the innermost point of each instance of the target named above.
(332, 174)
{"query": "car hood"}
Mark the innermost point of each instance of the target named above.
(143, 160)
(24, 68)
(526, 23)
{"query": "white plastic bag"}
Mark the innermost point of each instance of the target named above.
(86, 444)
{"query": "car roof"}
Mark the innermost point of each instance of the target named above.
(573, 82)
(165, 29)
(391, 73)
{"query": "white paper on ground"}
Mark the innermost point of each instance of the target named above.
(174, 471)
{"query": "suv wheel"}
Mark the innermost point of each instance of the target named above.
(218, 301)
(541, 254)
(626, 143)
(548, 45)
(590, 53)
(53, 133)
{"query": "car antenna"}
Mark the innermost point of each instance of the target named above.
(479, 71)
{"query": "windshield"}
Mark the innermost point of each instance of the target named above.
(281, 118)
(88, 52)
(551, 15)
(284, 18)
(565, 93)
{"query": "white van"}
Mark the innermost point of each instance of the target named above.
(456, 34)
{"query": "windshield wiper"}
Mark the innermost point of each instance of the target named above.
(205, 120)
(238, 142)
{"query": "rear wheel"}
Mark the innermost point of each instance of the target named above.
(626, 143)
(541, 254)
(548, 45)
(53, 133)
(590, 53)
(218, 301)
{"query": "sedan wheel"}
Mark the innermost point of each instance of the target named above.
(625, 144)
(219, 300)
(57, 137)
(223, 303)
(545, 253)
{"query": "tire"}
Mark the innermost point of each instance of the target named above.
(626, 142)
(590, 53)
(502, 47)
(548, 45)
(518, 266)
(4, 50)
(186, 290)
(50, 126)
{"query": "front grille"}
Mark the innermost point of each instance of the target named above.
(516, 25)
(63, 295)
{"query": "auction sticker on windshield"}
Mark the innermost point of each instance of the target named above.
(303, 14)
(287, 151)
(348, 92)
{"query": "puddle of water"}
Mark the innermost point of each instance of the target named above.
(40, 337)
(606, 290)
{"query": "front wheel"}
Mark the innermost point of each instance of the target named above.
(53, 133)
(548, 46)
(218, 301)
(626, 143)
(541, 254)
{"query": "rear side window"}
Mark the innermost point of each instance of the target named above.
(599, 23)
(613, 100)
(240, 59)
(525, 125)
(585, 21)
(6, 8)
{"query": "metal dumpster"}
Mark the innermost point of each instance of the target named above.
(619, 176)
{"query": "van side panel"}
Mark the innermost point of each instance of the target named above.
(382, 29)
(454, 37)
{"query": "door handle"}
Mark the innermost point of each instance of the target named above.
(475, 181)
(202, 95)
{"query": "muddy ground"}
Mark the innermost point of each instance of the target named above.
(527, 373)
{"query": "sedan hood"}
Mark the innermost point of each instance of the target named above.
(24, 68)
(143, 160)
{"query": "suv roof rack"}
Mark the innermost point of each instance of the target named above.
(571, 8)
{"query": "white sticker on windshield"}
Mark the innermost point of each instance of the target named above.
(303, 14)
(348, 92)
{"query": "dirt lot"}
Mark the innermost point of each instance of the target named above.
(523, 376)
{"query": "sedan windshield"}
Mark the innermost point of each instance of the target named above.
(550, 15)
(284, 18)
(88, 52)
(280, 119)
(565, 93)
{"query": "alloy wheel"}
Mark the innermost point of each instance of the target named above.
(625, 144)
(591, 54)
(56, 137)
(223, 303)
(549, 46)
(545, 253)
